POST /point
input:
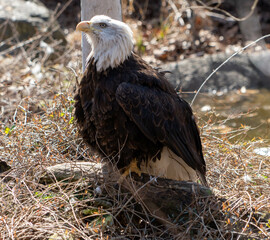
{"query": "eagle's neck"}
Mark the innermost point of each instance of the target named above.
(110, 54)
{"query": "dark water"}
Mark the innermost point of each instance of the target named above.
(244, 109)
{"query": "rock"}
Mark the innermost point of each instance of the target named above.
(240, 71)
(72, 172)
(64, 236)
(206, 108)
(262, 62)
(24, 19)
(264, 151)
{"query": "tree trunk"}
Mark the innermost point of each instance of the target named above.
(251, 30)
(90, 8)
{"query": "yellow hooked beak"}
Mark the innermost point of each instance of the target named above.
(84, 26)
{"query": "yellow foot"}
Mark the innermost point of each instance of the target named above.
(132, 167)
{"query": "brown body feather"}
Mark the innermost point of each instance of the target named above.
(132, 112)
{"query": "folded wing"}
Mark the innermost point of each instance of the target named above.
(164, 117)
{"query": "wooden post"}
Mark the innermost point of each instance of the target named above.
(90, 8)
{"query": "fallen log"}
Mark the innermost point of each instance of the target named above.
(172, 203)
(168, 200)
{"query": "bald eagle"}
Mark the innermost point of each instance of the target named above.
(130, 113)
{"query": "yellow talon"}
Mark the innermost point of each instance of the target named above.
(132, 167)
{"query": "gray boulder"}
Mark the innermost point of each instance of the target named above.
(244, 70)
(22, 19)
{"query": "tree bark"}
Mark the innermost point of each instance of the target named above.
(90, 8)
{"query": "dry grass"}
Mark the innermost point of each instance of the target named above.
(31, 210)
(37, 130)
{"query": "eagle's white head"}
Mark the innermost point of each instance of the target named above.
(111, 41)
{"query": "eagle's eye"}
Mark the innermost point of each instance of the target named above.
(102, 25)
